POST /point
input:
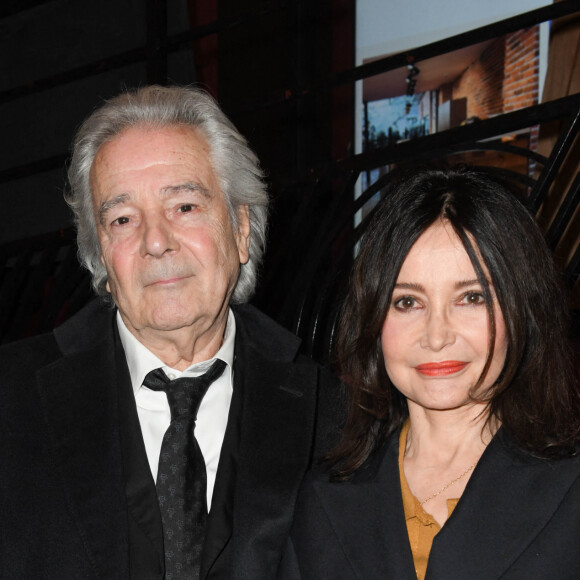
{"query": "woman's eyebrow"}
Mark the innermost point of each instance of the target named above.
(466, 283)
(421, 288)
(410, 286)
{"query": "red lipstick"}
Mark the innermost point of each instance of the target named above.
(441, 369)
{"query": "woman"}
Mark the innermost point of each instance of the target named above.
(459, 459)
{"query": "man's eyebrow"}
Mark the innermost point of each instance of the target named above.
(169, 190)
(187, 186)
(106, 206)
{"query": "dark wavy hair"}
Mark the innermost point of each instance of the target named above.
(536, 396)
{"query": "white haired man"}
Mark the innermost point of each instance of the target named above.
(171, 211)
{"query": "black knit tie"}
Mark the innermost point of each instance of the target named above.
(181, 476)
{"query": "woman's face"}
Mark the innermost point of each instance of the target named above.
(435, 338)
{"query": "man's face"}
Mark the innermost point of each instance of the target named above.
(170, 250)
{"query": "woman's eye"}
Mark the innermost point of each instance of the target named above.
(120, 221)
(473, 298)
(405, 303)
(186, 207)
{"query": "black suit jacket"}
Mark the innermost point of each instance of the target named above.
(77, 499)
(519, 518)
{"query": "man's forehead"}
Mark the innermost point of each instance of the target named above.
(142, 138)
(177, 157)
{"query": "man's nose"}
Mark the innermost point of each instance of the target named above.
(158, 236)
(438, 332)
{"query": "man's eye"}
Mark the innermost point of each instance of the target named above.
(120, 221)
(405, 303)
(186, 207)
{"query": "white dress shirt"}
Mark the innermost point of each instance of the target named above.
(153, 408)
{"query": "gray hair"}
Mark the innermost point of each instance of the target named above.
(235, 164)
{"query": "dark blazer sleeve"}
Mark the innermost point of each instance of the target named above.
(62, 495)
(37, 534)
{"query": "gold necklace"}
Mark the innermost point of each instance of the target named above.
(449, 484)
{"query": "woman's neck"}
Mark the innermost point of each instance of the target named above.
(441, 452)
(442, 435)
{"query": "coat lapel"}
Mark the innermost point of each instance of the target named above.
(219, 523)
(509, 499)
(147, 559)
(368, 518)
(80, 399)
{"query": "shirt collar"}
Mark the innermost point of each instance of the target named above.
(141, 360)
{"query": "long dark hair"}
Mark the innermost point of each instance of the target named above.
(536, 396)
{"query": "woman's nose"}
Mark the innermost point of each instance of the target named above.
(438, 332)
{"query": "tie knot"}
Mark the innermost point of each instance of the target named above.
(184, 394)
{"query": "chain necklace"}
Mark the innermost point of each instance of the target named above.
(449, 484)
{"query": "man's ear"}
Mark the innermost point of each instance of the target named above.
(243, 233)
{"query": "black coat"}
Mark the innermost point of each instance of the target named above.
(519, 518)
(77, 499)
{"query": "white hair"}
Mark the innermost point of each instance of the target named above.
(235, 164)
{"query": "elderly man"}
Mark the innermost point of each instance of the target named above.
(163, 431)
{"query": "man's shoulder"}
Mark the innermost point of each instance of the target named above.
(19, 363)
(28, 354)
(74, 335)
(264, 334)
(277, 343)
(88, 327)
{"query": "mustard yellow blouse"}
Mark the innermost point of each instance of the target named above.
(421, 526)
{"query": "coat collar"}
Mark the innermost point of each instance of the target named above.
(90, 328)
(508, 500)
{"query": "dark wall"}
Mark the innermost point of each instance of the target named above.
(269, 73)
(49, 39)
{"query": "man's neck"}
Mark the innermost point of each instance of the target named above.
(182, 347)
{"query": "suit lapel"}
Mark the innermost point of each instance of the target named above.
(80, 399)
(507, 502)
(219, 523)
(368, 518)
(147, 559)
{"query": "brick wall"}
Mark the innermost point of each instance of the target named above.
(482, 82)
(504, 78)
(520, 88)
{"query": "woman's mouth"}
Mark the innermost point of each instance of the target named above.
(441, 369)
